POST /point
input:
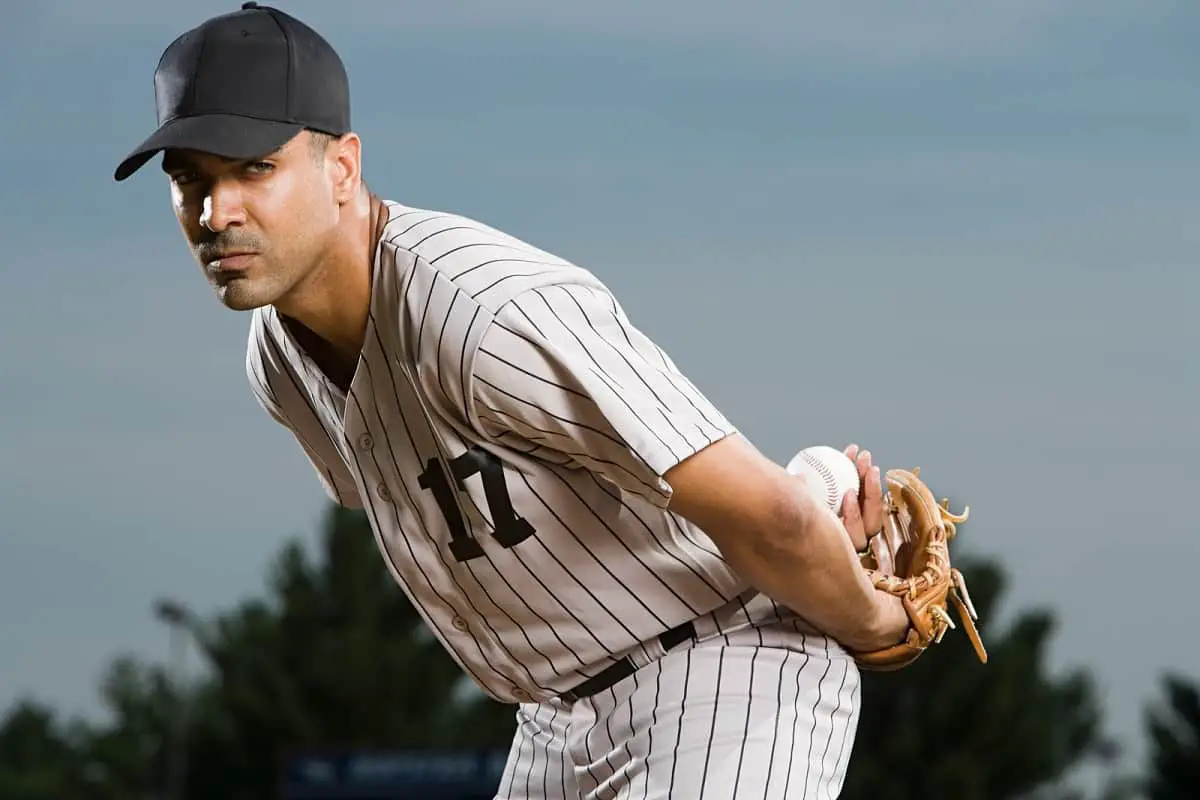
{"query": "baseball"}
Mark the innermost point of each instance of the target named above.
(827, 473)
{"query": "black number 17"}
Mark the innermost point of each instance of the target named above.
(509, 528)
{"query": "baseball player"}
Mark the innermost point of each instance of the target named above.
(590, 538)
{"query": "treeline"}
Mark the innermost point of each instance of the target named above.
(333, 653)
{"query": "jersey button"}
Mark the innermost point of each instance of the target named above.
(366, 442)
(460, 623)
(384, 493)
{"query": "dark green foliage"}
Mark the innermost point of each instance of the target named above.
(1174, 730)
(335, 655)
(951, 727)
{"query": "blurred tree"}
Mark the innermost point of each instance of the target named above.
(1174, 728)
(129, 754)
(948, 726)
(39, 759)
(335, 656)
(122, 760)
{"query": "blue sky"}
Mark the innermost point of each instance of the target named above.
(962, 236)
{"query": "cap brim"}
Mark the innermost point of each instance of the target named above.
(225, 135)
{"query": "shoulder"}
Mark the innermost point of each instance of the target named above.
(444, 281)
(485, 266)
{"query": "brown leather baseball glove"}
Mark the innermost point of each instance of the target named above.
(910, 558)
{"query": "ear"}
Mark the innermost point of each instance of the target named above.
(345, 158)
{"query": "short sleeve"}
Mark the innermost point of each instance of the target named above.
(563, 374)
(270, 385)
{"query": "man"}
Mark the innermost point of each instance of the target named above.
(588, 536)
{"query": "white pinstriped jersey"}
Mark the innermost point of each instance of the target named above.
(506, 431)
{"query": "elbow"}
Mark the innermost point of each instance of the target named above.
(783, 531)
(758, 515)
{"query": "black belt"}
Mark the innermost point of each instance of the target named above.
(624, 668)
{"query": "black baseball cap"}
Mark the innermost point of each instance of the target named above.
(242, 84)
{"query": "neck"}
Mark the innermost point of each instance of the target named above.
(334, 300)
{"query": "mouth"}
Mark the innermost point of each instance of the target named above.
(233, 261)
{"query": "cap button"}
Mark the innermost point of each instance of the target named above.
(246, 6)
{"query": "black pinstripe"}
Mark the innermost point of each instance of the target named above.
(812, 731)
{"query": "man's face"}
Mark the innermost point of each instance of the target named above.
(257, 226)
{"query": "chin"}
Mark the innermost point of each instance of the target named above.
(240, 296)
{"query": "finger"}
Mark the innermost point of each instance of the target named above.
(863, 462)
(872, 506)
(851, 452)
(853, 522)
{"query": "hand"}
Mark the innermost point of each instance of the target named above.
(862, 516)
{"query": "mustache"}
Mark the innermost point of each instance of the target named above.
(219, 244)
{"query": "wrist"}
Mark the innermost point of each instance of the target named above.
(891, 622)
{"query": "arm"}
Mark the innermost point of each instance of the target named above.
(564, 375)
(783, 542)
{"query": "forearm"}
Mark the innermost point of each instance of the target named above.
(783, 542)
(796, 552)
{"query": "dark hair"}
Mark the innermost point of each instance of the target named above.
(319, 142)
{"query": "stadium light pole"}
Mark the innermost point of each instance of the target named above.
(179, 620)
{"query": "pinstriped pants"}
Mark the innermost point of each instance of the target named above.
(768, 714)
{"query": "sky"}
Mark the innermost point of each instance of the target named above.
(960, 235)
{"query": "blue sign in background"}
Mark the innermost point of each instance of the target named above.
(393, 775)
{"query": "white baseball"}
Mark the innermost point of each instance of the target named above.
(828, 473)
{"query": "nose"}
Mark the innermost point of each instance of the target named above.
(222, 207)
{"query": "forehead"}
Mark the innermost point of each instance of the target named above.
(176, 158)
(183, 158)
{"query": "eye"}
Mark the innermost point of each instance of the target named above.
(182, 178)
(260, 167)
